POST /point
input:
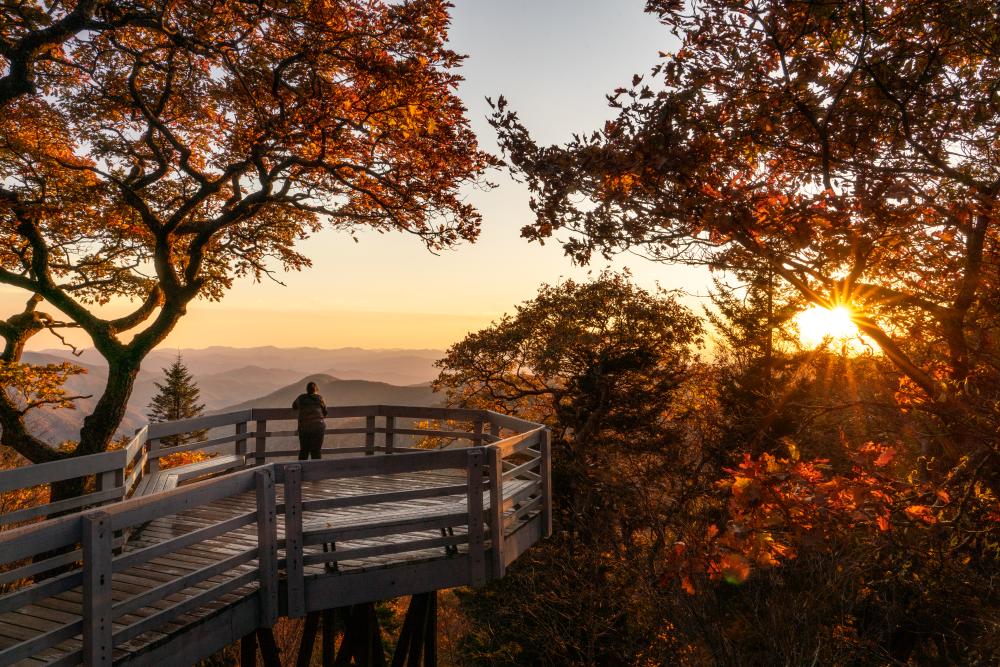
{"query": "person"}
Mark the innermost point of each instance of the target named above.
(312, 422)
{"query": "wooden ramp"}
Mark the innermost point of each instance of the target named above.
(208, 563)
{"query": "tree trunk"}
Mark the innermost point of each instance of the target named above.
(100, 426)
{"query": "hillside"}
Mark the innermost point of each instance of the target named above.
(336, 391)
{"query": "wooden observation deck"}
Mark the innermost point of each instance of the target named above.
(165, 566)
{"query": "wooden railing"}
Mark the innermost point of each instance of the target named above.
(501, 479)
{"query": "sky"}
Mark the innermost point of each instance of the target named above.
(554, 60)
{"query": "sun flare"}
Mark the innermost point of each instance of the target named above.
(817, 324)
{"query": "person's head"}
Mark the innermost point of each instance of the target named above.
(311, 388)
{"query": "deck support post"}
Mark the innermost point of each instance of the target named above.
(362, 642)
(268, 647)
(308, 640)
(329, 646)
(418, 636)
(248, 650)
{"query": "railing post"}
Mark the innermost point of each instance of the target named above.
(97, 629)
(267, 547)
(477, 560)
(241, 443)
(390, 434)
(260, 443)
(494, 466)
(293, 541)
(545, 448)
(369, 435)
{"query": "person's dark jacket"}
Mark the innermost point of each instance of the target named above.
(312, 410)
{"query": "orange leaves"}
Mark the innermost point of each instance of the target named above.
(885, 458)
(921, 513)
(620, 184)
(878, 454)
(733, 568)
(746, 490)
(34, 386)
(183, 458)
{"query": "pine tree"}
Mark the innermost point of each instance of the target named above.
(177, 398)
(757, 355)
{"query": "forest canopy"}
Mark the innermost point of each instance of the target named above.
(852, 146)
(840, 154)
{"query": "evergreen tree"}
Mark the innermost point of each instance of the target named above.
(177, 398)
(757, 357)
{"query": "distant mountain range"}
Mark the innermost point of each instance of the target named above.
(238, 378)
(336, 391)
(399, 367)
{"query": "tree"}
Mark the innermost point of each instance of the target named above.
(756, 358)
(176, 398)
(155, 152)
(850, 144)
(608, 367)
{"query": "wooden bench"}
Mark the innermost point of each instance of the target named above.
(165, 480)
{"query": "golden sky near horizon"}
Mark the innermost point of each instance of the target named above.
(554, 60)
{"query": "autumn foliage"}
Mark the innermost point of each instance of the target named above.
(156, 152)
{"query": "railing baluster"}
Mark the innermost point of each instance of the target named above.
(390, 434)
(97, 555)
(241, 443)
(293, 541)
(111, 479)
(260, 443)
(267, 547)
(494, 465)
(153, 455)
(477, 561)
(370, 435)
(477, 439)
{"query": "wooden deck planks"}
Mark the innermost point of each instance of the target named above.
(57, 611)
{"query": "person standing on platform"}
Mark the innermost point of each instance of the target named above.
(312, 422)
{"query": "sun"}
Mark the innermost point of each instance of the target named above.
(817, 325)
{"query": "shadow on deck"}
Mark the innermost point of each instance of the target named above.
(171, 577)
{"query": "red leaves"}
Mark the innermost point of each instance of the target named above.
(885, 458)
(733, 567)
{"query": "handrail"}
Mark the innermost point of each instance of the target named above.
(495, 501)
(118, 473)
(124, 469)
